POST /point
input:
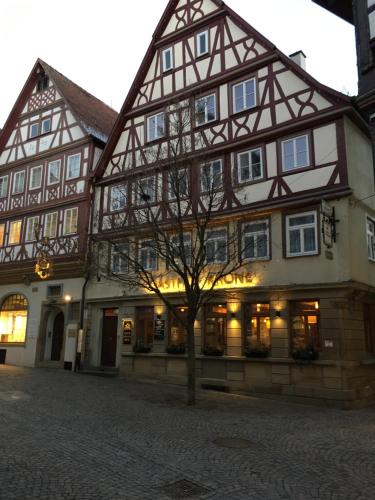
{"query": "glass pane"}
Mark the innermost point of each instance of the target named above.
(249, 247)
(309, 239)
(302, 220)
(288, 155)
(262, 245)
(221, 255)
(239, 103)
(211, 111)
(210, 251)
(250, 93)
(294, 241)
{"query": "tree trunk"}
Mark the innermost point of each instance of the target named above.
(190, 362)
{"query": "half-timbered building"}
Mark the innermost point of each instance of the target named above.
(49, 147)
(294, 161)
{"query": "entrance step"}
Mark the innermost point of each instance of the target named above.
(100, 371)
(50, 364)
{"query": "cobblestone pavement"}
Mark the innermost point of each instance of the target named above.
(68, 436)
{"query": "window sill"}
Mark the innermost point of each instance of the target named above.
(243, 112)
(199, 126)
(296, 170)
(315, 254)
(240, 184)
(12, 344)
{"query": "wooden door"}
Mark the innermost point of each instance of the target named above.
(109, 337)
(57, 337)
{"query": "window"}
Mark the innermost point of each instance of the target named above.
(250, 165)
(2, 234)
(177, 332)
(54, 291)
(13, 319)
(118, 197)
(178, 184)
(211, 176)
(147, 255)
(295, 153)
(168, 59)
(205, 109)
(201, 40)
(302, 234)
(46, 126)
(257, 327)
(50, 225)
(255, 240)
(43, 82)
(146, 190)
(119, 262)
(305, 326)
(3, 186)
(370, 226)
(216, 246)
(35, 178)
(32, 224)
(53, 172)
(182, 251)
(155, 127)
(244, 95)
(34, 130)
(19, 182)
(144, 327)
(74, 166)
(215, 329)
(70, 220)
(15, 232)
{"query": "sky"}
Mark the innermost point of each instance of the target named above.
(100, 45)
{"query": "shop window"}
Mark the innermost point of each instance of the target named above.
(305, 327)
(144, 325)
(257, 327)
(13, 319)
(369, 323)
(177, 332)
(215, 331)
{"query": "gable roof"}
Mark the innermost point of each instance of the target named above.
(94, 116)
(338, 97)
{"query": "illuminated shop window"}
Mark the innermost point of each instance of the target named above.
(15, 232)
(305, 326)
(215, 332)
(13, 319)
(257, 329)
(177, 332)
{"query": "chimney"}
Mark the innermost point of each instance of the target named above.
(299, 58)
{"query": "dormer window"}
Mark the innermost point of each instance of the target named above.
(43, 82)
(167, 59)
(201, 41)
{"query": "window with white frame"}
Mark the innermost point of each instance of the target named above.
(370, 229)
(118, 197)
(181, 252)
(35, 177)
(15, 232)
(32, 224)
(46, 126)
(216, 246)
(74, 166)
(155, 127)
(178, 182)
(211, 176)
(2, 234)
(50, 225)
(70, 220)
(147, 255)
(119, 261)
(53, 172)
(3, 186)
(205, 109)
(201, 40)
(295, 153)
(250, 165)
(244, 95)
(146, 190)
(302, 234)
(255, 240)
(167, 56)
(19, 182)
(34, 130)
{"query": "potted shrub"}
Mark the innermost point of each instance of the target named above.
(305, 354)
(176, 349)
(257, 351)
(140, 347)
(212, 351)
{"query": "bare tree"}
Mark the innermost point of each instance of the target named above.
(174, 231)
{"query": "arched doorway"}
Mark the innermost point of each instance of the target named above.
(57, 337)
